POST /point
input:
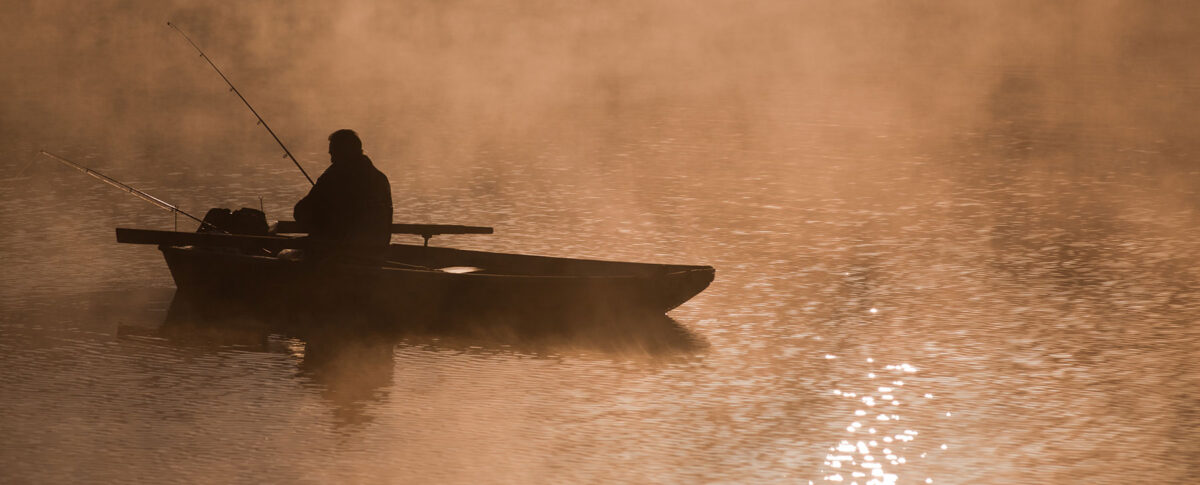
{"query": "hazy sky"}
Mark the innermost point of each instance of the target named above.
(476, 71)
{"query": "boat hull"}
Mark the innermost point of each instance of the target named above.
(508, 286)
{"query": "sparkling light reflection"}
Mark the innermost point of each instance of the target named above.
(877, 461)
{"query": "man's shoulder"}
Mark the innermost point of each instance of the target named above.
(374, 170)
(352, 173)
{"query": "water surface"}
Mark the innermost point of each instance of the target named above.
(962, 262)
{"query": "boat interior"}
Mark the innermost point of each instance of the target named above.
(464, 261)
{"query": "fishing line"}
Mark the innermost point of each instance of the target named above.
(161, 204)
(261, 121)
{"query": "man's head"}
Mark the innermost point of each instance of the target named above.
(344, 144)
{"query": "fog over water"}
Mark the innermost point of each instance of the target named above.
(954, 241)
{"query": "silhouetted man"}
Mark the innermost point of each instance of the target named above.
(349, 210)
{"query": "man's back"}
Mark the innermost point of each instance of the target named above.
(350, 205)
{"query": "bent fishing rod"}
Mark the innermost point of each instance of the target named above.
(161, 204)
(261, 121)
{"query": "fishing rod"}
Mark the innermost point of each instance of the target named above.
(136, 193)
(261, 121)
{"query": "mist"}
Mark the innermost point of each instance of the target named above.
(441, 90)
(993, 203)
(451, 79)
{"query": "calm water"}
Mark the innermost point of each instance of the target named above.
(1005, 297)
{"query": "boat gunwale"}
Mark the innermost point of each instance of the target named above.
(669, 270)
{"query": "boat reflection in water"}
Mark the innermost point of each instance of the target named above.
(351, 362)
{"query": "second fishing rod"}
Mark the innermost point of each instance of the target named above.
(261, 121)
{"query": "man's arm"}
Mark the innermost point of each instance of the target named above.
(307, 211)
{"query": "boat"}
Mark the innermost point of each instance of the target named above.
(409, 283)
